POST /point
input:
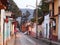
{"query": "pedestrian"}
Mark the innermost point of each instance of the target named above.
(18, 26)
(15, 29)
(29, 29)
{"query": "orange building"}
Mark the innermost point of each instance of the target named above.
(54, 9)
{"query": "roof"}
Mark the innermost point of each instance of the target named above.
(3, 4)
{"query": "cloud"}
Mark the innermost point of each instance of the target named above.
(23, 3)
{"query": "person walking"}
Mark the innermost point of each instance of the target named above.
(15, 29)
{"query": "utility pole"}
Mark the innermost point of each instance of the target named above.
(36, 20)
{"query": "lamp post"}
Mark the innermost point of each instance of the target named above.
(36, 20)
(36, 17)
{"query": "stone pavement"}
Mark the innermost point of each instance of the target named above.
(11, 41)
(48, 41)
(25, 40)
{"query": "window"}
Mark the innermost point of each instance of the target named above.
(50, 13)
(53, 23)
(59, 10)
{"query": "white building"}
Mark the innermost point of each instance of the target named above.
(46, 26)
(19, 20)
(59, 28)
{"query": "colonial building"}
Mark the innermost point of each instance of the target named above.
(3, 6)
(54, 9)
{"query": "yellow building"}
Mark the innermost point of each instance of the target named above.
(54, 9)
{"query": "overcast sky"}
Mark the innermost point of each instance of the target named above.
(23, 3)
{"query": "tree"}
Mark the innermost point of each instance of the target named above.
(33, 20)
(40, 21)
(44, 9)
(13, 8)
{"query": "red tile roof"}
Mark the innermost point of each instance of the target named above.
(3, 4)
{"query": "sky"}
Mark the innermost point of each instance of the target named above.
(23, 3)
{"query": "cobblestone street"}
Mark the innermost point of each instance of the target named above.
(26, 40)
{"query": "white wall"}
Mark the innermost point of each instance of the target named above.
(2, 21)
(46, 21)
(19, 20)
(59, 28)
(34, 28)
(59, 24)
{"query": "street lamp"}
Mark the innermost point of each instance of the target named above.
(36, 17)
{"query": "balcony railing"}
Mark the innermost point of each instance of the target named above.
(49, 1)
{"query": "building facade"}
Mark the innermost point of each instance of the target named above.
(46, 26)
(54, 9)
(3, 6)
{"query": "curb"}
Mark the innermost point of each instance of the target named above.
(49, 41)
(11, 41)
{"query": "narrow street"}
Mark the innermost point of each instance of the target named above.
(22, 21)
(26, 40)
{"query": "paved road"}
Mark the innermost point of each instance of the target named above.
(26, 40)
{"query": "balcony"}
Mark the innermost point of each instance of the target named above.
(48, 1)
(4, 2)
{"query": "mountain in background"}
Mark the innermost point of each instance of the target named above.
(30, 10)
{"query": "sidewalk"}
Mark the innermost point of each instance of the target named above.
(11, 41)
(49, 41)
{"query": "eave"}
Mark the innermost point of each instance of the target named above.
(3, 4)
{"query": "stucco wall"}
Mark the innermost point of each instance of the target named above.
(59, 28)
(55, 7)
